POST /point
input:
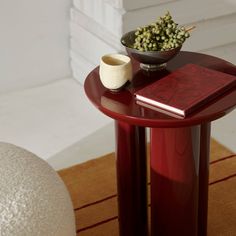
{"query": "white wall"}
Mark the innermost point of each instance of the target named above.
(34, 42)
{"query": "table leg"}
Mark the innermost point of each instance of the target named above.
(131, 179)
(203, 179)
(175, 154)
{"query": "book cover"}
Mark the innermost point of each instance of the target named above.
(186, 89)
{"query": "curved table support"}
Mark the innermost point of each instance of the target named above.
(204, 179)
(175, 155)
(131, 179)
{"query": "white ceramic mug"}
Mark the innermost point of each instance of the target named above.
(115, 70)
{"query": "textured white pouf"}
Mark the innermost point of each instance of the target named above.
(33, 199)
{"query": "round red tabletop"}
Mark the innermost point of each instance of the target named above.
(122, 105)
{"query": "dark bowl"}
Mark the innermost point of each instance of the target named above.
(150, 60)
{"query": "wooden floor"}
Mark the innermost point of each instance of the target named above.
(92, 186)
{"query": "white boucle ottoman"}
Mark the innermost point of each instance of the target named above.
(33, 199)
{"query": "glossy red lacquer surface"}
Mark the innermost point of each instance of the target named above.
(205, 133)
(131, 179)
(174, 181)
(122, 105)
(179, 180)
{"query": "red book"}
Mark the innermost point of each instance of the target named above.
(186, 89)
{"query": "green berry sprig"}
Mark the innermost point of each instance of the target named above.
(162, 35)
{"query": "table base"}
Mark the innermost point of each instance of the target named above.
(131, 179)
(179, 163)
(179, 180)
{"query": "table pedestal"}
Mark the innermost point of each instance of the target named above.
(203, 179)
(179, 180)
(131, 179)
(175, 159)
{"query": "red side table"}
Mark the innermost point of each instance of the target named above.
(179, 153)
